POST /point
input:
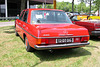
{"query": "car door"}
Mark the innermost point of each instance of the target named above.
(19, 22)
(24, 23)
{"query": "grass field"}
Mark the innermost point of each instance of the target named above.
(13, 54)
(6, 20)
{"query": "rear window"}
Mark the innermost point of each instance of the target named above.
(48, 16)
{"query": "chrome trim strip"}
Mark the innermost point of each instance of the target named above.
(27, 32)
(53, 46)
(96, 32)
(52, 37)
(65, 37)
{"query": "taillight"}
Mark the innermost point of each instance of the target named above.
(97, 27)
(38, 41)
(84, 39)
(77, 39)
(42, 41)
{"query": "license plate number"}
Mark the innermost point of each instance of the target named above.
(67, 40)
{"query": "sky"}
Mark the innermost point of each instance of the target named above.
(75, 1)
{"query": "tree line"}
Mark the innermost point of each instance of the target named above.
(71, 7)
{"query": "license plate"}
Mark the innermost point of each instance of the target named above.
(66, 40)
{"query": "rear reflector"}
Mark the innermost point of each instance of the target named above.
(38, 41)
(77, 39)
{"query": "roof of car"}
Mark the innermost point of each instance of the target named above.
(80, 15)
(43, 9)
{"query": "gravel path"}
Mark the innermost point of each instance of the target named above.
(11, 23)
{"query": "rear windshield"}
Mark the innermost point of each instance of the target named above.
(48, 16)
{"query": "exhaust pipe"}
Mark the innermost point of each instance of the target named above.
(51, 51)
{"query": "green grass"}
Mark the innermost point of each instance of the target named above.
(13, 54)
(6, 20)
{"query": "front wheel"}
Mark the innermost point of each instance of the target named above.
(28, 47)
(16, 33)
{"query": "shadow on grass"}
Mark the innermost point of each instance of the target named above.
(60, 54)
(11, 27)
(45, 55)
(93, 46)
(95, 38)
(9, 31)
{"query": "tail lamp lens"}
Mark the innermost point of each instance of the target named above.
(42, 41)
(84, 39)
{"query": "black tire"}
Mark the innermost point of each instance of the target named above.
(16, 33)
(28, 47)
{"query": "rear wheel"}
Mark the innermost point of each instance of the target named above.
(28, 47)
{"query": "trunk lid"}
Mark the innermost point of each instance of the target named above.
(61, 30)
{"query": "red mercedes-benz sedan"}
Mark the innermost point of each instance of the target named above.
(49, 29)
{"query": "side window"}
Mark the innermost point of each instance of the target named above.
(25, 16)
(20, 18)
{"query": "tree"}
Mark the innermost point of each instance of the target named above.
(67, 7)
(82, 8)
(97, 5)
(72, 5)
(89, 2)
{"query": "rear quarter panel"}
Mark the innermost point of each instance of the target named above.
(89, 26)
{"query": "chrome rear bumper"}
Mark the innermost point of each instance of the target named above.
(95, 33)
(54, 46)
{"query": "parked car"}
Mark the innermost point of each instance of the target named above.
(81, 17)
(43, 29)
(94, 17)
(93, 26)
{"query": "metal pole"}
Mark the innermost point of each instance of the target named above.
(27, 4)
(6, 10)
(54, 2)
(72, 5)
(0, 11)
(45, 3)
(90, 8)
(99, 10)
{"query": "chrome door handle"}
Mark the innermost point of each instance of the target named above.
(19, 23)
(23, 25)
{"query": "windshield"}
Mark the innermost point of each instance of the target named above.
(48, 16)
(74, 18)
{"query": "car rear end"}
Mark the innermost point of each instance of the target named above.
(56, 31)
(59, 43)
(59, 36)
(96, 31)
(96, 27)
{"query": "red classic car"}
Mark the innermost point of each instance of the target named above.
(93, 26)
(49, 29)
